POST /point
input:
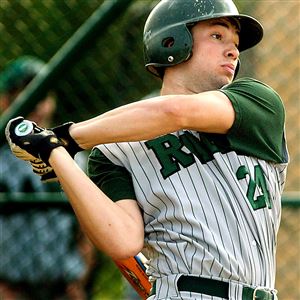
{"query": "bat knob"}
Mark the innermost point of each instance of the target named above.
(24, 128)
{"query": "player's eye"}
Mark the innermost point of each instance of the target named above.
(217, 36)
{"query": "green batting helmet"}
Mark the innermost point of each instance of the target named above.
(19, 72)
(168, 40)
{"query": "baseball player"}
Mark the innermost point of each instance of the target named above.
(194, 176)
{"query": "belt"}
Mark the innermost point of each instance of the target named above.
(218, 288)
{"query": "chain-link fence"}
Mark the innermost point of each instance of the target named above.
(110, 72)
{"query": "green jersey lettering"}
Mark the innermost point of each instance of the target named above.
(201, 149)
(168, 151)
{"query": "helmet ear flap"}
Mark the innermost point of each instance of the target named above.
(168, 48)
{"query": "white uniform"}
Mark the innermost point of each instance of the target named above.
(211, 203)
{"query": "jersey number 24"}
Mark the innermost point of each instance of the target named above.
(259, 182)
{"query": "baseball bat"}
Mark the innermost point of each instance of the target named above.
(24, 128)
(134, 270)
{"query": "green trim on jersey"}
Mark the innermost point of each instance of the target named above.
(258, 129)
(115, 181)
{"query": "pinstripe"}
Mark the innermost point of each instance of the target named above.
(241, 224)
(238, 233)
(192, 210)
(145, 197)
(197, 191)
(203, 212)
(210, 194)
(260, 242)
(255, 228)
(161, 185)
(185, 261)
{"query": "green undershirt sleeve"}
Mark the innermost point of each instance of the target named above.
(258, 129)
(115, 181)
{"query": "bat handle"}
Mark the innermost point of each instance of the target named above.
(24, 128)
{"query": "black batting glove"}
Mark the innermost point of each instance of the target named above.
(29, 141)
(62, 132)
(45, 172)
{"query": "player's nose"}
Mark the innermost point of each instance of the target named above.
(232, 51)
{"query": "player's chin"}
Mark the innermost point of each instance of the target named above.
(224, 80)
(227, 75)
(227, 78)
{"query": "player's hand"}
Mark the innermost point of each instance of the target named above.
(45, 172)
(29, 143)
(62, 132)
(10, 136)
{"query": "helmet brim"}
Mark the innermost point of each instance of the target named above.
(251, 31)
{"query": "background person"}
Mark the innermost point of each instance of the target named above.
(41, 248)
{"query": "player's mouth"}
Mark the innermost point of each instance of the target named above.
(228, 67)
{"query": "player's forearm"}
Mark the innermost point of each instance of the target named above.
(142, 120)
(107, 224)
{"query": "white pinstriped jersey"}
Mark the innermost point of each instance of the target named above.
(211, 203)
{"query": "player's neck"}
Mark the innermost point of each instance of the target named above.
(177, 84)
